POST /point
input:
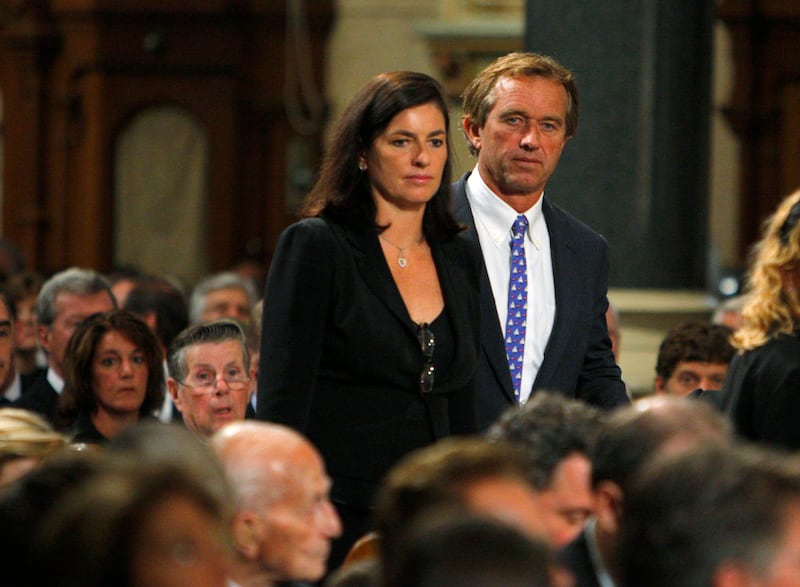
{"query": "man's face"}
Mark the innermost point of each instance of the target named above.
(71, 310)
(6, 348)
(569, 500)
(691, 375)
(299, 526)
(217, 388)
(230, 302)
(521, 142)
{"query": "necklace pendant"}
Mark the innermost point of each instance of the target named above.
(402, 261)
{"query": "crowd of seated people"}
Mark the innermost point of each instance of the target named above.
(101, 491)
(333, 432)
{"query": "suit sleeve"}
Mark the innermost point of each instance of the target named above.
(462, 408)
(600, 381)
(296, 301)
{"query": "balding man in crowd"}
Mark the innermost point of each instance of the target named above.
(629, 439)
(284, 520)
(718, 516)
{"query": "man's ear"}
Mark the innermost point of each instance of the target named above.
(151, 319)
(608, 505)
(43, 334)
(472, 132)
(659, 384)
(172, 388)
(248, 534)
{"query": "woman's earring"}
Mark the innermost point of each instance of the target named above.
(362, 165)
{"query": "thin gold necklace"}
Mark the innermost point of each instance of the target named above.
(401, 258)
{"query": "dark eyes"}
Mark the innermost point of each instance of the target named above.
(114, 361)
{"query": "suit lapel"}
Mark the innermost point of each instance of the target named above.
(491, 334)
(565, 281)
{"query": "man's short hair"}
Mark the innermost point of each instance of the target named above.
(452, 548)
(479, 96)
(439, 475)
(634, 434)
(694, 341)
(224, 280)
(77, 281)
(208, 332)
(549, 428)
(158, 296)
(691, 513)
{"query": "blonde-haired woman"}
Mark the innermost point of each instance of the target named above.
(762, 391)
(26, 439)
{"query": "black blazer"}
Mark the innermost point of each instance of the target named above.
(340, 357)
(578, 361)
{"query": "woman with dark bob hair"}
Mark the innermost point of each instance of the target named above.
(370, 319)
(113, 376)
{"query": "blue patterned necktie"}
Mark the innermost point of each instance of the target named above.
(517, 303)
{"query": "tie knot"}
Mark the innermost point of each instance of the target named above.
(520, 226)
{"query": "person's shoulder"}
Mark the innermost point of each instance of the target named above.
(310, 230)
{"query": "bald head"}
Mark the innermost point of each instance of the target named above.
(263, 461)
(285, 520)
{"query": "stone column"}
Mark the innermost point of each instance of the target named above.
(638, 169)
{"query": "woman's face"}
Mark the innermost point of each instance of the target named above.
(119, 374)
(25, 327)
(405, 161)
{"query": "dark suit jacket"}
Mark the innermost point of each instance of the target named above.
(340, 357)
(578, 361)
(40, 398)
(576, 558)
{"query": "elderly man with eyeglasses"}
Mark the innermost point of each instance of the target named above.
(209, 376)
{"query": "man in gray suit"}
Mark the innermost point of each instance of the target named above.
(543, 296)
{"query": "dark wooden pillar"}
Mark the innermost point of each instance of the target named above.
(764, 109)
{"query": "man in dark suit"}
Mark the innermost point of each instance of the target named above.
(629, 439)
(549, 268)
(66, 299)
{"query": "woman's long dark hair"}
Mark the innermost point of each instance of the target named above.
(342, 191)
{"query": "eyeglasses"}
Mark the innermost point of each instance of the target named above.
(427, 343)
(206, 382)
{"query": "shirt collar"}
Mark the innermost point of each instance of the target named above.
(603, 577)
(497, 217)
(55, 380)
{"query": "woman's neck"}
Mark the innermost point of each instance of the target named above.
(404, 226)
(109, 425)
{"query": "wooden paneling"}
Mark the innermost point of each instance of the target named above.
(73, 72)
(764, 108)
